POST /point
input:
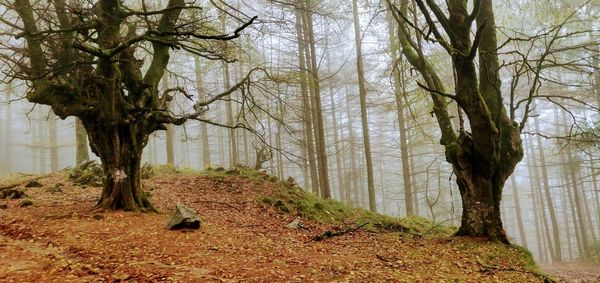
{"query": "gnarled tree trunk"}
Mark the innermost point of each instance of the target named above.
(120, 150)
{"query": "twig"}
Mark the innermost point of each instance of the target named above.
(330, 233)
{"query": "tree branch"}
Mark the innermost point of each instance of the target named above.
(453, 97)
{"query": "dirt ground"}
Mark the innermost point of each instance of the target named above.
(61, 238)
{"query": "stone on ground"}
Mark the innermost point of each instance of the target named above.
(183, 217)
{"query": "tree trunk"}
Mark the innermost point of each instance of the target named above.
(362, 89)
(8, 134)
(518, 214)
(120, 150)
(338, 153)
(481, 201)
(233, 144)
(541, 155)
(306, 106)
(278, 142)
(318, 109)
(353, 168)
(53, 136)
(82, 151)
(538, 199)
(532, 173)
(567, 228)
(203, 127)
(399, 91)
(595, 191)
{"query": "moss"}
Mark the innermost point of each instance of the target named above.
(526, 256)
(289, 198)
(13, 180)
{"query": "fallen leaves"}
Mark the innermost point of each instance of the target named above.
(241, 239)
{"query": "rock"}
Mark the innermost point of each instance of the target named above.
(33, 184)
(25, 203)
(183, 217)
(12, 194)
(296, 224)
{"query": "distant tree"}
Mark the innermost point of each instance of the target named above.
(83, 60)
(362, 87)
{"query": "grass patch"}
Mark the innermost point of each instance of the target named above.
(289, 198)
(16, 179)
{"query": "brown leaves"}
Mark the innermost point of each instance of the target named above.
(241, 239)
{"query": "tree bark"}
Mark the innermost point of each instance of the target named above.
(120, 150)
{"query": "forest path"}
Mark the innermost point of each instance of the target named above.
(62, 238)
(571, 272)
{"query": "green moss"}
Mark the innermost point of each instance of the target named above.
(289, 198)
(13, 180)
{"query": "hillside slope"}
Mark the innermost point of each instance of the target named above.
(60, 237)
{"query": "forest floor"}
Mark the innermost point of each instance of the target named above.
(243, 237)
(573, 272)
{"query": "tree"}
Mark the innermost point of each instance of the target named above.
(399, 93)
(485, 152)
(363, 107)
(315, 91)
(85, 64)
